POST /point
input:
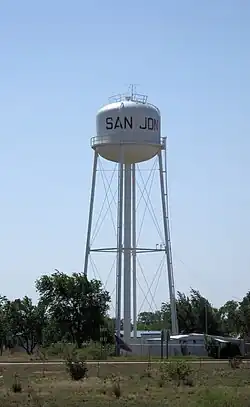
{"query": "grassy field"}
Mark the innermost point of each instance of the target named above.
(203, 385)
(38, 357)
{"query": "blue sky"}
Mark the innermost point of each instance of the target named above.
(60, 61)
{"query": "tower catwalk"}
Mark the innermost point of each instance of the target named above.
(128, 132)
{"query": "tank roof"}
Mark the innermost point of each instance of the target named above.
(134, 97)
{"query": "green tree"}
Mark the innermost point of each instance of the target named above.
(230, 317)
(4, 323)
(195, 314)
(244, 315)
(26, 322)
(76, 305)
(206, 317)
(51, 333)
(151, 321)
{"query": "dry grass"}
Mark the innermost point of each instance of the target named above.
(22, 356)
(207, 385)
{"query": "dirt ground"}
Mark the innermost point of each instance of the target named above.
(110, 385)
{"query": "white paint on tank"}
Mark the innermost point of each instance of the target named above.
(130, 128)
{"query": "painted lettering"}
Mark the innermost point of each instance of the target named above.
(119, 123)
(150, 124)
(113, 123)
(128, 122)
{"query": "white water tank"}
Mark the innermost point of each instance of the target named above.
(128, 131)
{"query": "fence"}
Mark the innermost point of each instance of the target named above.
(144, 349)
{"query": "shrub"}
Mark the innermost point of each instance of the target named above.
(77, 369)
(76, 364)
(212, 347)
(147, 373)
(96, 351)
(231, 350)
(90, 351)
(235, 363)
(116, 389)
(42, 354)
(179, 371)
(16, 385)
(61, 349)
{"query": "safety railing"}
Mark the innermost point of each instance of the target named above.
(99, 140)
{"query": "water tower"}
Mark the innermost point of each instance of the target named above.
(128, 132)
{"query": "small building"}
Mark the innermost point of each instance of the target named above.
(149, 343)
